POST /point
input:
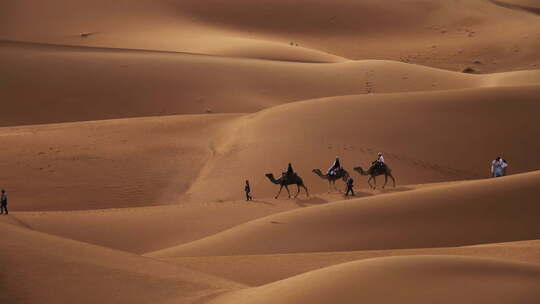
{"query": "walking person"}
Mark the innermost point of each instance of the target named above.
(350, 185)
(247, 189)
(3, 202)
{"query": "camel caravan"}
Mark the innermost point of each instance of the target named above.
(334, 173)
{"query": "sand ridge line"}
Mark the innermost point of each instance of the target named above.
(90, 48)
(517, 6)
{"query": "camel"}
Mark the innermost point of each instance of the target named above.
(292, 180)
(342, 174)
(373, 172)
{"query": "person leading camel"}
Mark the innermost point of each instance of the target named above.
(350, 185)
(335, 168)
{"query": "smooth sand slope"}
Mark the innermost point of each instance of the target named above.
(445, 34)
(85, 83)
(426, 137)
(486, 211)
(256, 270)
(420, 279)
(39, 268)
(105, 164)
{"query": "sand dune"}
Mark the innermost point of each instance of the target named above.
(86, 83)
(106, 164)
(426, 137)
(421, 279)
(487, 211)
(525, 5)
(66, 163)
(446, 34)
(65, 271)
(256, 270)
(128, 129)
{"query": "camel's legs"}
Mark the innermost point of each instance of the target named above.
(369, 181)
(289, 192)
(329, 186)
(305, 188)
(385, 180)
(393, 179)
(374, 182)
(279, 191)
(298, 191)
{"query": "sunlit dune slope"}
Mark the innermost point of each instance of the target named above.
(425, 137)
(421, 279)
(105, 164)
(38, 268)
(485, 211)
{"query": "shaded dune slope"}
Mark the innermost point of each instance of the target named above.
(85, 83)
(485, 211)
(445, 34)
(64, 271)
(421, 279)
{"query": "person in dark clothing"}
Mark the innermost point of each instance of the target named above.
(288, 174)
(290, 171)
(247, 189)
(350, 185)
(3, 202)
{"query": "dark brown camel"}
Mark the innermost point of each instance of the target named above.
(376, 171)
(342, 174)
(286, 181)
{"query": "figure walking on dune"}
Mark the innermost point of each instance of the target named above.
(247, 189)
(3, 202)
(350, 185)
(498, 167)
(288, 178)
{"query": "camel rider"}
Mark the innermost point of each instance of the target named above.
(335, 168)
(289, 173)
(498, 167)
(379, 162)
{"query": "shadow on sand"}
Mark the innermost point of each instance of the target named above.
(397, 189)
(310, 201)
(357, 194)
(261, 202)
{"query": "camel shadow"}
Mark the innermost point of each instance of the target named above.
(397, 189)
(310, 201)
(357, 194)
(261, 202)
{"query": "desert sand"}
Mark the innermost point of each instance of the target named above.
(129, 128)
